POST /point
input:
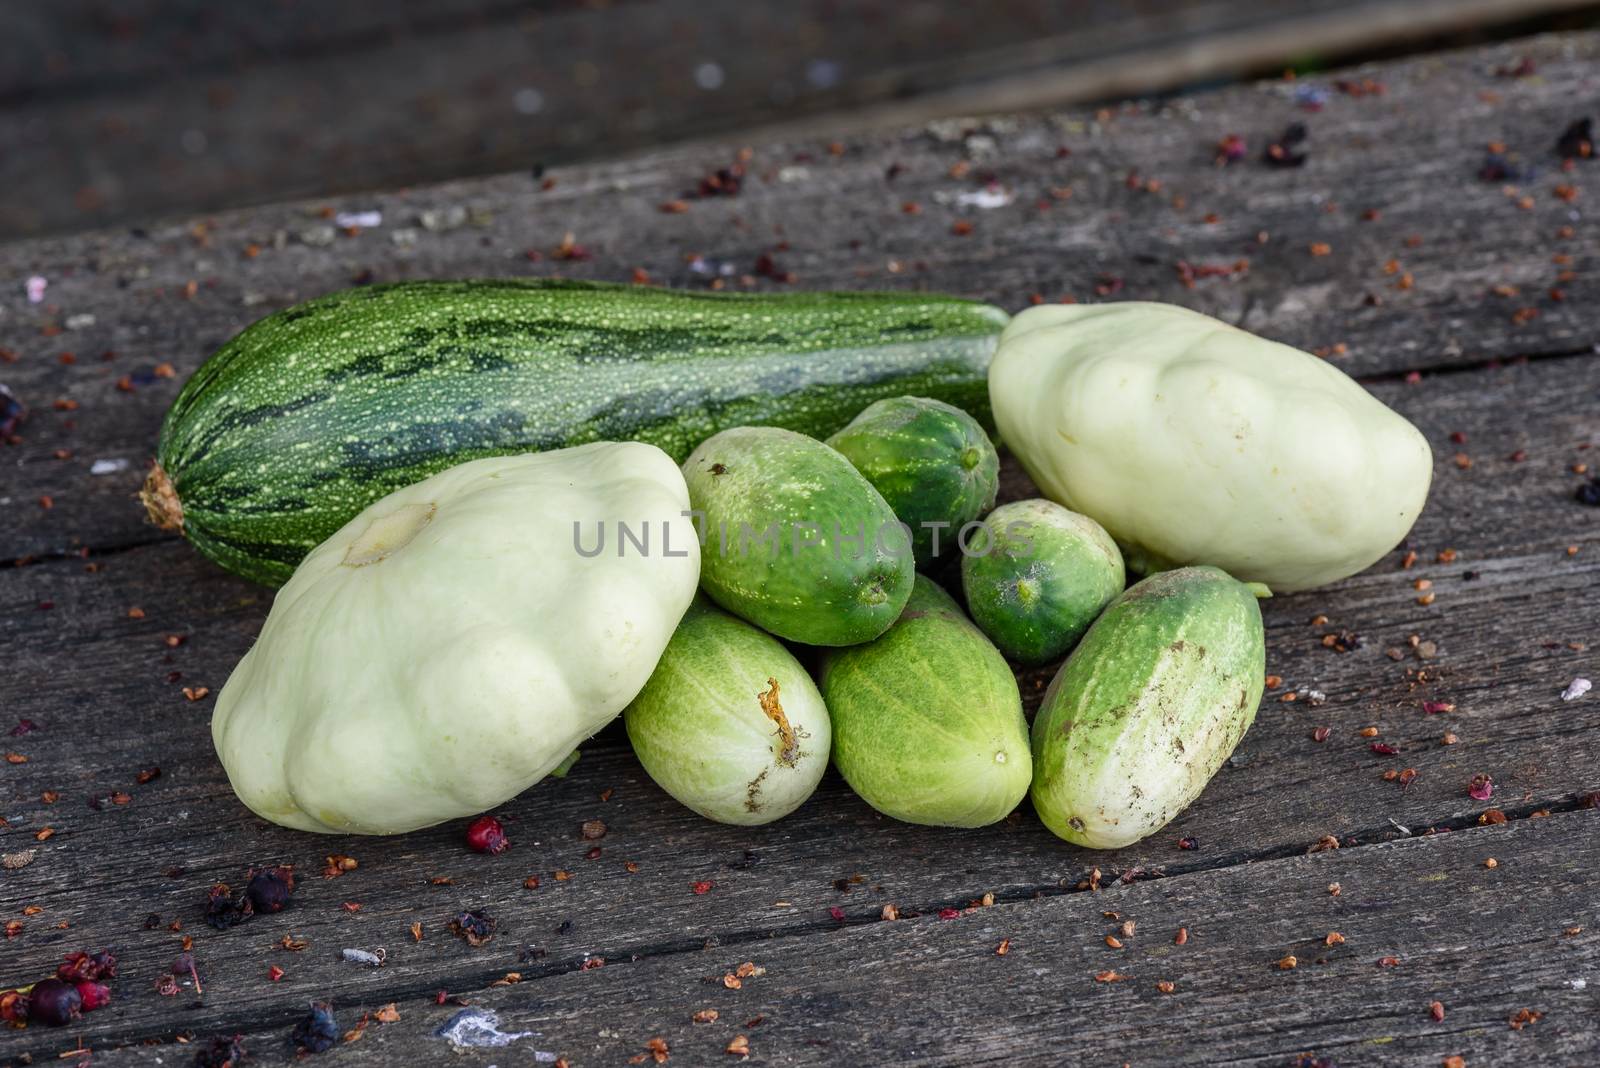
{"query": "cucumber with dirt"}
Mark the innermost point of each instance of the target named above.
(1148, 706)
(730, 724)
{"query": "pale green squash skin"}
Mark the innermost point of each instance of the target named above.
(699, 729)
(931, 461)
(1037, 576)
(309, 415)
(836, 592)
(927, 720)
(1148, 707)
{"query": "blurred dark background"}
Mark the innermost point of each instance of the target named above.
(112, 112)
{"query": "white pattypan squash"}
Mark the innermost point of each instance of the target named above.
(451, 644)
(1194, 442)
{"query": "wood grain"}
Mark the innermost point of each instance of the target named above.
(115, 113)
(1511, 622)
(838, 222)
(1421, 921)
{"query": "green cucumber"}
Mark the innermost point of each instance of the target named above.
(311, 414)
(1148, 706)
(1037, 575)
(730, 724)
(927, 720)
(931, 461)
(794, 539)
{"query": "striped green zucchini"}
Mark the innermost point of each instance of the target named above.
(313, 413)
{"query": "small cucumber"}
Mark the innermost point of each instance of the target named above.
(1037, 576)
(927, 720)
(730, 724)
(795, 540)
(1148, 706)
(931, 461)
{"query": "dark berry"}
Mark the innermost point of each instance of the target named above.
(53, 1002)
(1589, 493)
(269, 889)
(487, 836)
(318, 1031)
(11, 412)
(225, 1051)
(477, 927)
(222, 912)
(93, 995)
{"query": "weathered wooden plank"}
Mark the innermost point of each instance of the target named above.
(1500, 659)
(143, 109)
(1544, 411)
(136, 289)
(1485, 943)
(96, 680)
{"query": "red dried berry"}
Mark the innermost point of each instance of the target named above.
(487, 836)
(14, 1007)
(77, 968)
(93, 995)
(1481, 788)
(54, 1003)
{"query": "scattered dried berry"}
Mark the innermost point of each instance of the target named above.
(1523, 1017)
(93, 995)
(1481, 788)
(476, 926)
(1286, 151)
(318, 1031)
(486, 835)
(268, 890)
(1577, 140)
(54, 1003)
(224, 1051)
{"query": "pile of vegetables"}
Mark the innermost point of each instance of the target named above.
(509, 512)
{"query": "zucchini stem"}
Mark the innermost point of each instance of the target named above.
(161, 504)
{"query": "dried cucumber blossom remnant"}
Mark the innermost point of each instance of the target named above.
(789, 747)
(702, 738)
